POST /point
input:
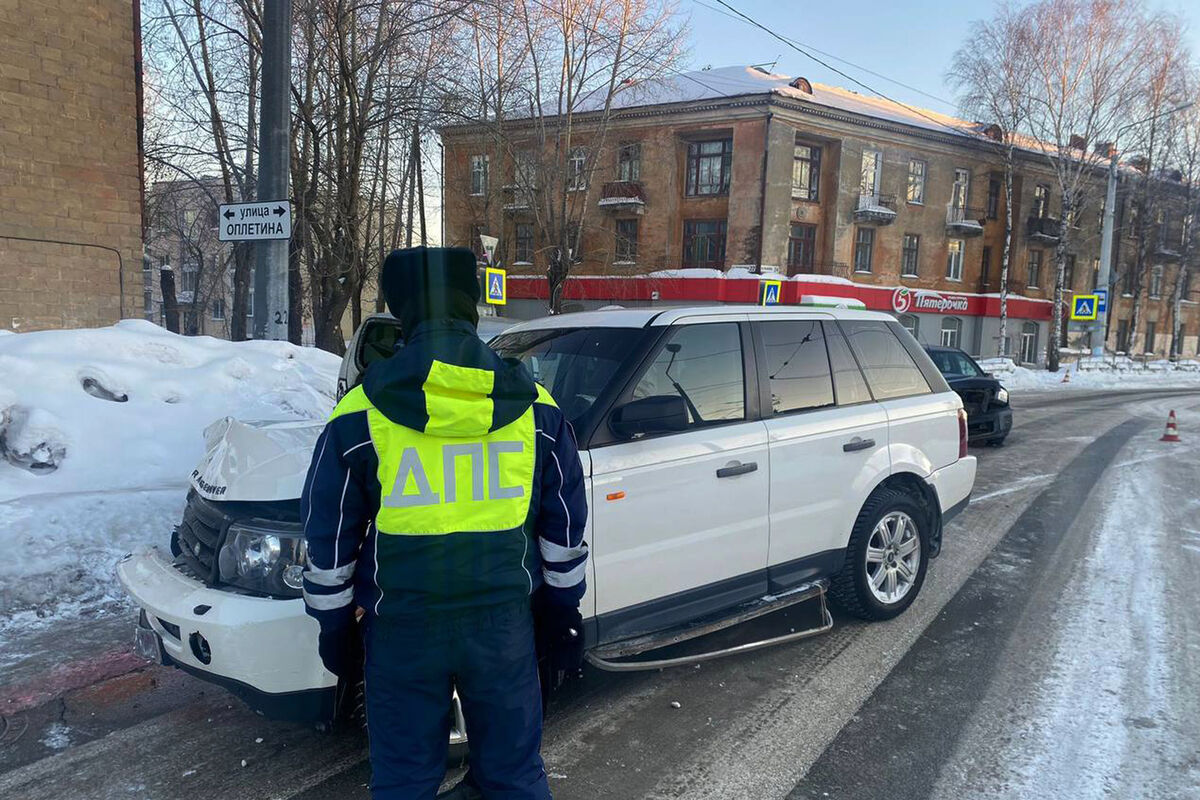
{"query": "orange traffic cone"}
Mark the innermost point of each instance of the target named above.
(1172, 432)
(1067, 376)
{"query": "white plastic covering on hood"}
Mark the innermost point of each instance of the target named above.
(260, 460)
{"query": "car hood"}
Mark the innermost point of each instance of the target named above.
(972, 383)
(259, 460)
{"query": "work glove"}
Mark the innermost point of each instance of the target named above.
(341, 651)
(560, 640)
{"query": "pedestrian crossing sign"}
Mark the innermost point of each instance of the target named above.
(1084, 306)
(768, 292)
(497, 286)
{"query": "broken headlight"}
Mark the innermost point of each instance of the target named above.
(266, 557)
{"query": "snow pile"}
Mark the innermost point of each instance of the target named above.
(1023, 378)
(99, 430)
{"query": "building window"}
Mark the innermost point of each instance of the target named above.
(961, 189)
(916, 181)
(1185, 285)
(1151, 330)
(1122, 335)
(985, 264)
(218, 308)
(908, 255)
(864, 245)
(704, 243)
(912, 324)
(1033, 272)
(1041, 200)
(951, 332)
(806, 172)
(525, 170)
(1156, 281)
(479, 174)
(577, 170)
(868, 181)
(993, 199)
(627, 240)
(802, 243)
(1128, 280)
(1068, 271)
(954, 259)
(708, 168)
(1029, 348)
(524, 243)
(629, 161)
(187, 283)
(1095, 274)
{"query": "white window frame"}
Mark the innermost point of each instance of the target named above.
(960, 191)
(216, 304)
(876, 167)
(950, 333)
(480, 163)
(916, 265)
(577, 169)
(1156, 281)
(954, 259)
(914, 328)
(917, 170)
(1029, 337)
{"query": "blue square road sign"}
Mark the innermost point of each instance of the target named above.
(497, 286)
(768, 292)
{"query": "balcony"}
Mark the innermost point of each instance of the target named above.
(963, 221)
(625, 197)
(1046, 230)
(875, 209)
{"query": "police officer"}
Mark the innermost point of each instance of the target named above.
(445, 496)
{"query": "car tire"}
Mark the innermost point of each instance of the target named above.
(997, 442)
(890, 536)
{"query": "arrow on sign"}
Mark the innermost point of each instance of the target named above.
(229, 215)
(280, 210)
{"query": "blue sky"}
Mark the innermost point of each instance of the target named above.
(911, 40)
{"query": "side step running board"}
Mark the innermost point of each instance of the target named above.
(603, 657)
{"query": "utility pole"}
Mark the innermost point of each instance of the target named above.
(271, 257)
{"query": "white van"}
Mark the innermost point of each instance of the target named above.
(738, 459)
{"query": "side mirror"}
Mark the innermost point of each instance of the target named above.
(664, 413)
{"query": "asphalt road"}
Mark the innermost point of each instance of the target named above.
(1054, 653)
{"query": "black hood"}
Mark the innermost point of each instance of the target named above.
(420, 388)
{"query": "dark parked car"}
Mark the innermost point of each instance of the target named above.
(989, 417)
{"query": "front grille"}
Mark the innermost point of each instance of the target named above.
(976, 401)
(201, 534)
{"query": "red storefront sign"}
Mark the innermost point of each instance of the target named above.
(902, 300)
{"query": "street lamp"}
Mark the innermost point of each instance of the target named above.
(1106, 234)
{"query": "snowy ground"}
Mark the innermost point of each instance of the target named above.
(99, 430)
(1159, 375)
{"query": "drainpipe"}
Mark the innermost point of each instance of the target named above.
(762, 195)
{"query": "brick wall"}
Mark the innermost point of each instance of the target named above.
(68, 164)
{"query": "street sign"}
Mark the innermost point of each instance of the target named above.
(1102, 302)
(768, 292)
(1083, 306)
(489, 247)
(497, 286)
(250, 222)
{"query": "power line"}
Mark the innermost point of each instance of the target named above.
(827, 65)
(859, 67)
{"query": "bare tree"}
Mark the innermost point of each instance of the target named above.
(1187, 127)
(991, 72)
(547, 82)
(1087, 59)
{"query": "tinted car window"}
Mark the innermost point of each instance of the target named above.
(848, 382)
(890, 370)
(797, 365)
(574, 364)
(955, 364)
(703, 365)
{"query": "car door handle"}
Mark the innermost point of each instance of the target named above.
(856, 444)
(737, 469)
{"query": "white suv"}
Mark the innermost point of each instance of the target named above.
(734, 455)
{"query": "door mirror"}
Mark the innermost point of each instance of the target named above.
(664, 413)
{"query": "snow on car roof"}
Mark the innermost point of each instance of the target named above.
(670, 315)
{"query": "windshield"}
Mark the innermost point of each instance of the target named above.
(574, 364)
(955, 364)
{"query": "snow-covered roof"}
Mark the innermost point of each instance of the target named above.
(737, 81)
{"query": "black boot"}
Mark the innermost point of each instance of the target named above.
(465, 789)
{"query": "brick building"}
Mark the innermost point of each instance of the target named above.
(843, 194)
(70, 172)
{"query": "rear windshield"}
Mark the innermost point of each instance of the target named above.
(955, 364)
(576, 365)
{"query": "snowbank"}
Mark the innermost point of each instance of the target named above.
(99, 429)
(1025, 379)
